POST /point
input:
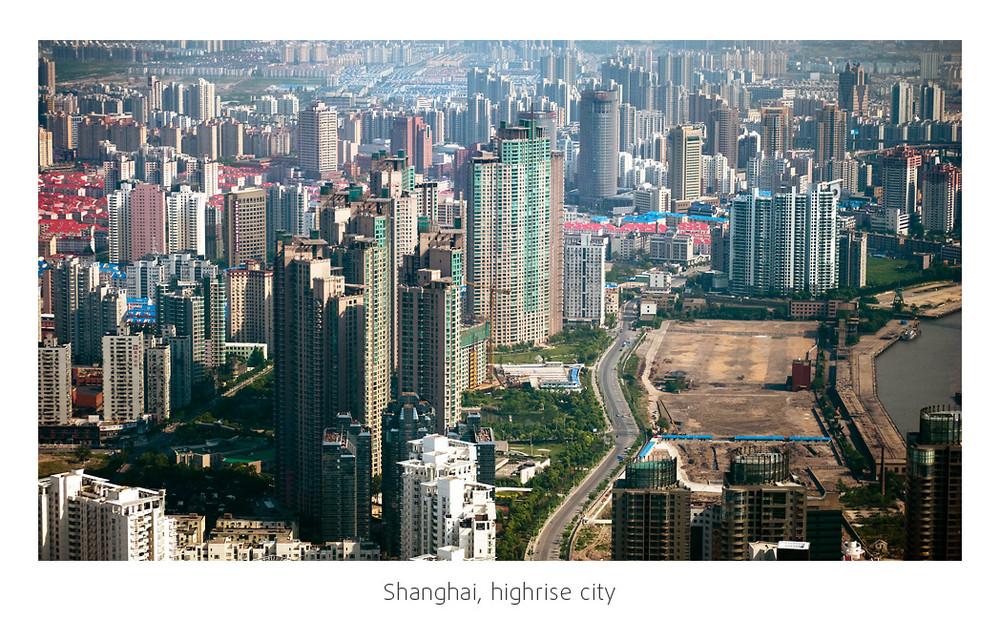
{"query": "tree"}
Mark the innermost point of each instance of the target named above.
(256, 358)
(82, 452)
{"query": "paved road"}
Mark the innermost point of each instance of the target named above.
(624, 430)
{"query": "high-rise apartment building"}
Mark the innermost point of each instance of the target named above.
(185, 212)
(508, 227)
(250, 298)
(899, 179)
(442, 506)
(181, 315)
(287, 206)
(346, 502)
(784, 241)
(934, 486)
(597, 163)
(147, 221)
(723, 134)
(685, 162)
(319, 325)
(124, 358)
(408, 419)
(430, 324)
(901, 103)
(650, 513)
(761, 502)
(931, 102)
(776, 130)
(556, 229)
(55, 384)
(583, 278)
(203, 101)
(831, 135)
(852, 95)
(317, 140)
(941, 198)
(245, 227)
(83, 517)
(852, 259)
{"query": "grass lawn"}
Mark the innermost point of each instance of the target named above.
(557, 353)
(881, 270)
(552, 450)
(60, 462)
(69, 70)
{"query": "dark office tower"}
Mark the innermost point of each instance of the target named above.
(685, 162)
(430, 316)
(824, 527)
(942, 197)
(761, 502)
(776, 129)
(852, 256)
(720, 248)
(556, 230)
(853, 91)
(901, 103)
(345, 510)
(409, 418)
(899, 178)
(931, 102)
(748, 148)
(831, 135)
(651, 513)
(318, 325)
(246, 226)
(934, 486)
(597, 163)
(723, 133)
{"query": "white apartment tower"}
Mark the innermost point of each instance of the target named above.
(82, 517)
(55, 385)
(441, 503)
(317, 140)
(186, 221)
(785, 241)
(583, 278)
(124, 381)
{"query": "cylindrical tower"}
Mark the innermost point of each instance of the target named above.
(597, 167)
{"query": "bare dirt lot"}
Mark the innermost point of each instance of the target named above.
(736, 372)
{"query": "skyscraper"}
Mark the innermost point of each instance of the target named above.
(250, 297)
(317, 140)
(776, 130)
(430, 315)
(853, 90)
(408, 418)
(318, 321)
(583, 283)
(685, 162)
(934, 486)
(942, 196)
(245, 226)
(147, 221)
(931, 102)
(831, 135)
(784, 241)
(124, 391)
(597, 165)
(650, 513)
(186, 221)
(852, 258)
(761, 502)
(55, 386)
(346, 504)
(901, 103)
(899, 179)
(508, 226)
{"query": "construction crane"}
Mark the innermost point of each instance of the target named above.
(493, 289)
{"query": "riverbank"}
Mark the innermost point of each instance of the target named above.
(857, 391)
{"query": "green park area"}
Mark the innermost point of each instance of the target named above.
(883, 270)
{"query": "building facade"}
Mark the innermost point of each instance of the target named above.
(651, 513)
(584, 278)
(934, 486)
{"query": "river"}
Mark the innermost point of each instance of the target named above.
(926, 371)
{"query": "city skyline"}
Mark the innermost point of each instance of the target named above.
(682, 224)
